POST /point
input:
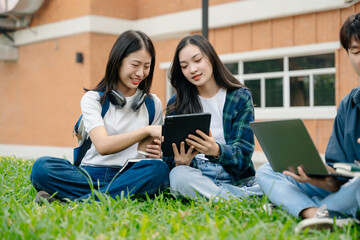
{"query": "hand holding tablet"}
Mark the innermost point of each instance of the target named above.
(143, 145)
(177, 128)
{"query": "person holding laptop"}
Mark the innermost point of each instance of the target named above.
(319, 200)
(127, 80)
(217, 165)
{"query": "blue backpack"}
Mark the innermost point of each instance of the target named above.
(84, 141)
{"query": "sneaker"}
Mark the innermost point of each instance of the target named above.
(43, 196)
(325, 219)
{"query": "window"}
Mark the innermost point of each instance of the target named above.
(233, 67)
(273, 92)
(273, 65)
(289, 82)
(299, 91)
(312, 62)
(324, 93)
(254, 85)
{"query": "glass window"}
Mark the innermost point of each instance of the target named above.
(312, 62)
(272, 65)
(299, 91)
(274, 92)
(324, 90)
(254, 86)
(232, 67)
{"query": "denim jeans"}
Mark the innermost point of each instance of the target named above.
(209, 180)
(55, 175)
(294, 196)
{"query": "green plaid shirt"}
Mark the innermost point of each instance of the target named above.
(235, 155)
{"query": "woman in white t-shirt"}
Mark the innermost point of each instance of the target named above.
(126, 85)
(217, 165)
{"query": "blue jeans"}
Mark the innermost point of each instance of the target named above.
(55, 175)
(209, 180)
(294, 197)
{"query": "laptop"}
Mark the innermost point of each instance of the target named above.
(176, 129)
(287, 145)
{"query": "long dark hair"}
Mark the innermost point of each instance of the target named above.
(128, 42)
(350, 30)
(187, 100)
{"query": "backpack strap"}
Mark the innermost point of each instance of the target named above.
(80, 151)
(150, 105)
(105, 106)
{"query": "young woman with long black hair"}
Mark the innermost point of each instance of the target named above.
(217, 165)
(114, 137)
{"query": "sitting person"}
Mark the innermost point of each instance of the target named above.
(319, 200)
(217, 165)
(127, 80)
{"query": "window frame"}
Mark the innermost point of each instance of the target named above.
(287, 111)
(286, 75)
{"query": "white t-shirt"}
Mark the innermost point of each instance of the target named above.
(115, 121)
(215, 106)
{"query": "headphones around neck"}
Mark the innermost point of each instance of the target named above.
(119, 100)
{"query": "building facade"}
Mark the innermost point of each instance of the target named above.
(286, 51)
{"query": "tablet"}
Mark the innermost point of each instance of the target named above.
(176, 129)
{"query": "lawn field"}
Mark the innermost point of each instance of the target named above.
(161, 218)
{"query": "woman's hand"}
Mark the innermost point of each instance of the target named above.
(182, 157)
(153, 150)
(204, 144)
(154, 131)
(328, 183)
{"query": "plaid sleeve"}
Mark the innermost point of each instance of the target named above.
(235, 155)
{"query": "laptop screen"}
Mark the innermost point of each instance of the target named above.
(287, 144)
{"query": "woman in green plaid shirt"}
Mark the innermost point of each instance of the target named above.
(217, 165)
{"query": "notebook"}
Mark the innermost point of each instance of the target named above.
(176, 128)
(287, 144)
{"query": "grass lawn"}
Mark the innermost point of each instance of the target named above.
(160, 218)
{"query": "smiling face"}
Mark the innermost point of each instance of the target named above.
(134, 69)
(354, 56)
(196, 66)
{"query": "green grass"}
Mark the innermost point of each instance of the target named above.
(160, 218)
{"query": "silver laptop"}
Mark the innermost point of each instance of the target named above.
(287, 144)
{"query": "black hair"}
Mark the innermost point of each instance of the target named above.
(128, 42)
(187, 100)
(350, 31)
